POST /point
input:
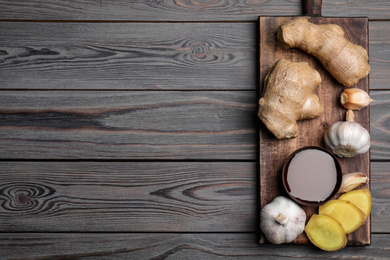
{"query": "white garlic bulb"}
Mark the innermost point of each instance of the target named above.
(347, 138)
(282, 220)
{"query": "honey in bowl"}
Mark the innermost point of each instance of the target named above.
(311, 176)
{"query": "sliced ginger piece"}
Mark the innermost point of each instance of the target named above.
(349, 216)
(326, 233)
(361, 198)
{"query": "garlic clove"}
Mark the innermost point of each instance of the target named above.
(355, 99)
(352, 180)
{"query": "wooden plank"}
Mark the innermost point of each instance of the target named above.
(274, 152)
(145, 196)
(378, 9)
(380, 125)
(380, 185)
(143, 10)
(144, 125)
(127, 125)
(379, 54)
(127, 197)
(139, 56)
(170, 246)
(131, 56)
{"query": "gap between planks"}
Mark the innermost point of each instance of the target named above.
(119, 21)
(146, 232)
(136, 90)
(172, 21)
(131, 160)
(148, 90)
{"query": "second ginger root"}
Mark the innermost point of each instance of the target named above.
(289, 97)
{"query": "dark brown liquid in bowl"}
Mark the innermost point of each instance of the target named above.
(311, 176)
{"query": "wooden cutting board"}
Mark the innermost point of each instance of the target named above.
(273, 152)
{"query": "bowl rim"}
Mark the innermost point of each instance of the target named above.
(305, 202)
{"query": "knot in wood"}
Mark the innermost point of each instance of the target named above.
(325, 125)
(22, 199)
(199, 51)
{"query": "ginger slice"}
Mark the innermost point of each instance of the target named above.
(326, 233)
(361, 198)
(349, 216)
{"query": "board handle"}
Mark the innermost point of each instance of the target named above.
(312, 7)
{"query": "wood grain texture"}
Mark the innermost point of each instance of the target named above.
(46, 205)
(127, 197)
(127, 125)
(379, 55)
(145, 125)
(182, 10)
(144, 10)
(380, 125)
(274, 152)
(378, 9)
(171, 246)
(312, 7)
(145, 196)
(131, 56)
(139, 56)
(380, 189)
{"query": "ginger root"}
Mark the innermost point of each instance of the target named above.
(347, 62)
(288, 97)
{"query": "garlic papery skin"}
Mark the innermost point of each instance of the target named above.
(352, 180)
(355, 99)
(282, 220)
(347, 138)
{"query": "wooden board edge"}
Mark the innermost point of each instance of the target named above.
(262, 239)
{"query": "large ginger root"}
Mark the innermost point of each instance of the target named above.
(347, 62)
(288, 97)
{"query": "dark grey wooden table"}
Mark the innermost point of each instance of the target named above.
(129, 129)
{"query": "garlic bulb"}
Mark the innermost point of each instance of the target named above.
(355, 99)
(282, 220)
(347, 138)
(351, 180)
